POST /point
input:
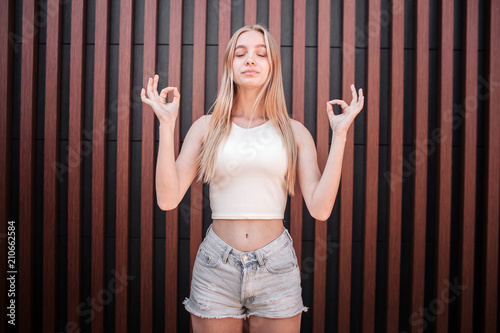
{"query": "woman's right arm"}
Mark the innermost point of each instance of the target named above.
(173, 177)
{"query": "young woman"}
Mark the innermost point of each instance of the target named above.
(251, 153)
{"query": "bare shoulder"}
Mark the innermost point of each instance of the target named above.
(301, 133)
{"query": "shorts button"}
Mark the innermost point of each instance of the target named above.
(244, 258)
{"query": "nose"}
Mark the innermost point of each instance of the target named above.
(250, 61)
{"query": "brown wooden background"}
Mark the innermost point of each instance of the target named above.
(412, 242)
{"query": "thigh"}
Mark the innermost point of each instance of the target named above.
(216, 325)
(275, 325)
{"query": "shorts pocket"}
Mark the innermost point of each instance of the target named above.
(208, 257)
(282, 262)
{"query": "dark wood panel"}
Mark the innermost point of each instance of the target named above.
(27, 160)
(275, 20)
(371, 166)
(322, 141)
(444, 168)
(419, 150)
(75, 175)
(468, 167)
(50, 178)
(123, 165)
(6, 60)
(250, 12)
(299, 51)
(395, 194)
(346, 186)
(147, 170)
(172, 216)
(224, 33)
(99, 150)
(492, 186)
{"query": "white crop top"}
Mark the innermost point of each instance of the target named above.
(249, 180)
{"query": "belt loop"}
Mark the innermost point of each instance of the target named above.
(226, 254)
(259, 258)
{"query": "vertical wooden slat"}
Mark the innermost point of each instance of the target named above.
(299, 50)
(26, 227)
(51, 157)
(444, 186)
(123, 147)
(275, 20)
(492, 175)
(198, 109)
(346, 188)
(395, 167)
(468, 167)
(250, 12)
(224, 33)
(75, 175)
(98, 253)
(6, 59)
(371, 166)
(147, 170)
(172, 216)
(322, 136)
(420, 125)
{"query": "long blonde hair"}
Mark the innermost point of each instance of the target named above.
(273, 98)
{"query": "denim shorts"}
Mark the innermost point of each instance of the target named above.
(231, 283)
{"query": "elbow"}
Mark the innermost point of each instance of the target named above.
(167, 204)
(165, 207)
(321, 217)
(321, 214)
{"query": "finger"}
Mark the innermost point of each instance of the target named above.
(164, 93)
(144, 99)
(354, 95)
(361, 102)
(177, 97)
(150, 89)
(155, 85)
(329, 107)
(361, 98)
(340, 102)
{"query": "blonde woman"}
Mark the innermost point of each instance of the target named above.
(251, 153)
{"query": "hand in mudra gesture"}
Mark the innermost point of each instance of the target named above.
(166, 112)
(340, 123)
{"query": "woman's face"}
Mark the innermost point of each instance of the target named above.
(250, 64)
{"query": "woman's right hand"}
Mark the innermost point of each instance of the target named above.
(166, 112)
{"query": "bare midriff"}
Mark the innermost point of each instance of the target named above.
(248, 235)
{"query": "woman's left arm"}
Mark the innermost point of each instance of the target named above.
(319, 191)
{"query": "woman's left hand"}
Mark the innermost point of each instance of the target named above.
(340, 123)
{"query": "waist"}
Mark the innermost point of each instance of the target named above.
(248, 234)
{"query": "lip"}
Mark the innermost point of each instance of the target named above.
(250, 71)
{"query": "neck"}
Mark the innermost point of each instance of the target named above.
(244, 103)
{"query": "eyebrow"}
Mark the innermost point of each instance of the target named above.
(243, 46)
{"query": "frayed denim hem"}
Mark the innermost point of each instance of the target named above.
(304, 309)
(190, 310)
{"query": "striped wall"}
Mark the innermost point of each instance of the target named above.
(412, 242)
